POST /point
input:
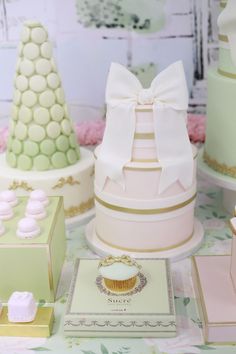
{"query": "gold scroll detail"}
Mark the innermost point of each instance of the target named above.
(223, 38)
(81, 208)
(20, 184)
(227, 74)
(144, 211)
(219, 167)
(63, 181)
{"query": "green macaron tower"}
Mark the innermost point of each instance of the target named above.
(41, 133)
(42, 150)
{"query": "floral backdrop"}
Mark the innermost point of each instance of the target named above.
(144, 35)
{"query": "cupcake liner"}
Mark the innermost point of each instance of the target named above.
(120, 285)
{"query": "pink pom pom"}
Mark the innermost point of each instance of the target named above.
(3, 138)
(90, 133)
(196, 127)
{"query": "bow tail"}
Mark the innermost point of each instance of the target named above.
(116, 147)
(173, 147)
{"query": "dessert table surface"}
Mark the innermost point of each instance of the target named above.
(189, 338)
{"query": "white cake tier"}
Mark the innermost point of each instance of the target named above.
(74, 183)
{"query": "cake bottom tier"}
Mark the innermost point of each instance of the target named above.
(145, 230)
(74, 183)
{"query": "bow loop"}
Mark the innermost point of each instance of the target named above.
(168, 95)
(145, 96)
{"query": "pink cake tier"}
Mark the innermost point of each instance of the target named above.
(137, 218)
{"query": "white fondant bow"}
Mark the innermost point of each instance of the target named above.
(227, 26)
(169, 96)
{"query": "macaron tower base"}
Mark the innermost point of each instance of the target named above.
(145, 310)
(217, 297)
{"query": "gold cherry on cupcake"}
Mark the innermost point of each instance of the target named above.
(119, 273)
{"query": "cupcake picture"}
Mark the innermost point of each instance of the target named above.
(119, 273)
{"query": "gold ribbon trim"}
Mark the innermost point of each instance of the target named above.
(144, 211)
(222, 168)
(145, 249)
(125, 259)
(223, 38)
(63, 181)
(81, 208)
(20, 185)
(146, 136)
(227, 74)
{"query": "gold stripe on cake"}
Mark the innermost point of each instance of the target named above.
(219, 167)
(145, 160)
(144, 211)
(144, 250)
(223, 38)
(144, 136)
(148, 108)
(227, 74)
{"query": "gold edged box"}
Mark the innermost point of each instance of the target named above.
(40, 327)
(216, 298)
(145, 311)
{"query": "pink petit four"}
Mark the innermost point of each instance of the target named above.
(6, 212)
(39, 195)
(21, 307)
(9, 197)
(27, 228)
(35, 209)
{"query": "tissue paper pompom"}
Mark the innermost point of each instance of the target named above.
(90, 133)
(196, 127)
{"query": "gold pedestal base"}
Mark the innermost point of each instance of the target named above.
(40, 327)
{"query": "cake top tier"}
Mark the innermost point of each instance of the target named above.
(41, 132)
(166, 100)
(227, 39)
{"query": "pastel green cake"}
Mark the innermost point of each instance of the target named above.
(33, 265)
(41, 132)
(220, 146)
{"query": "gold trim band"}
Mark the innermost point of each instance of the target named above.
(223, 38)
(144, 109)
(148, 136)
(145, 250)
(144, 211)
(222, 168)
(79, 209)
(145, 160)
(226, 74)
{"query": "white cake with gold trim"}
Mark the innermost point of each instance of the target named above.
(42, 149)
(149, 206)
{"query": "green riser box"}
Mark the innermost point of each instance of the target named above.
(33, 264)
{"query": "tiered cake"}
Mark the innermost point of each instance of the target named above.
(145, 185)
(42, 147)
(219, 153)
